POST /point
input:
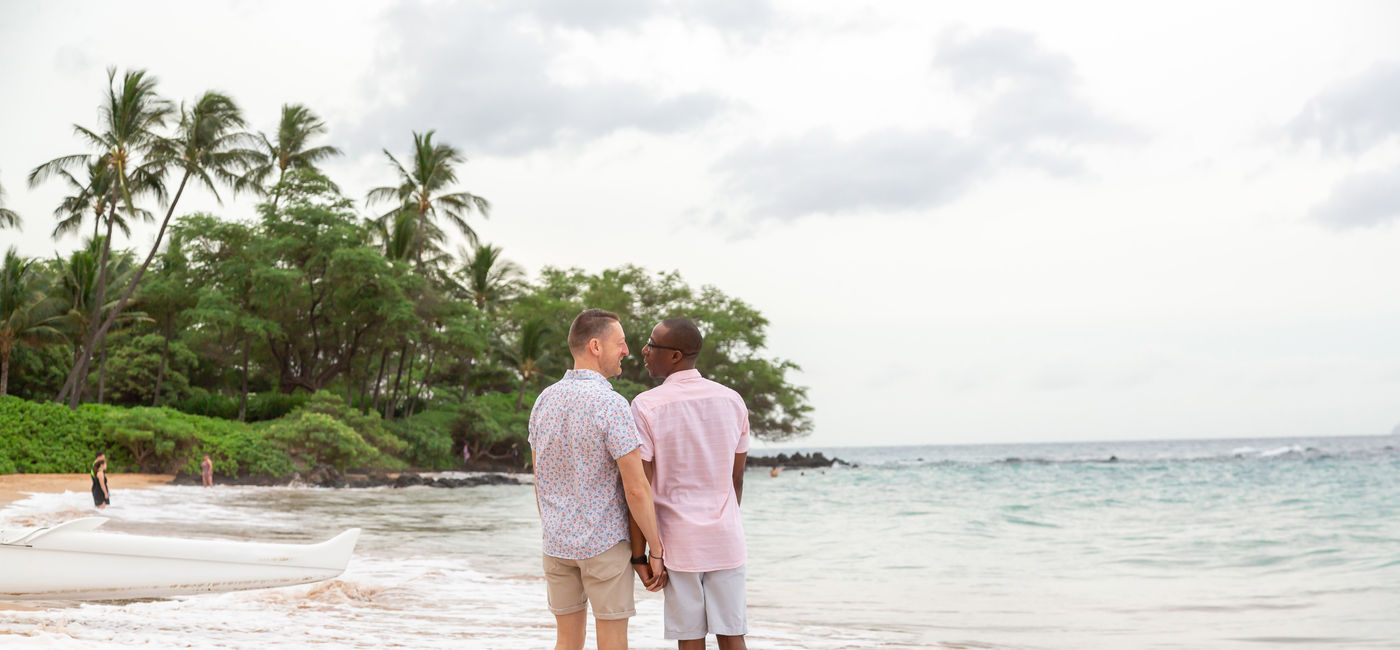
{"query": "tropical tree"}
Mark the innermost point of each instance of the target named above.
(526, 352)
(424, 193)
(207, 147)
(8, 218)
(27, 316)
(289, 151)
(130, 118)
(488, 278)
(75, 289)
(96, 196)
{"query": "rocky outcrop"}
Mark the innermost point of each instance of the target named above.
(797, 460)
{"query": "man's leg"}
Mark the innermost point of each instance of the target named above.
(731, 642)
(691, 644)
(572, 630)
(612, 635)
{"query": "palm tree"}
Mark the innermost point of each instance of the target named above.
(75, 291)
(526, 354)
(489, 279)
(8, 218)
(422, 193)
(206, 148)
(26, 315)
(298, 125)
(96, 197)
(130, 118)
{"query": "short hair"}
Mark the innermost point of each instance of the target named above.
(100, 453)
(684, 333)
(588, 325)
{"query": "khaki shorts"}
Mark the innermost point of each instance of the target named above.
(712, 602)
(605, 580)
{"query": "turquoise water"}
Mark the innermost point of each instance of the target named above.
(1245, 544)
(1220, 544)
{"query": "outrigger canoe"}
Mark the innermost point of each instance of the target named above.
(70, 561)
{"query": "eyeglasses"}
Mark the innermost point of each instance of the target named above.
(667, 347)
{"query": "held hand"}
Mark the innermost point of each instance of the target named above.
(658, 570)
(643, 573)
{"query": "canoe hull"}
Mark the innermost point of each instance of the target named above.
(78, 564)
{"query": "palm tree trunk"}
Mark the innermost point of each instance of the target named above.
(4, 371)
(243, 401)
(74, 387)
(126, 296)
(102, 373)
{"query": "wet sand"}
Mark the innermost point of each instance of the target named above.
(14, 486)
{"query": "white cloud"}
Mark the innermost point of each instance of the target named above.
(1354, 115)
(1363, 200)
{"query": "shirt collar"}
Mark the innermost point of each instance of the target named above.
(682, 375)
(585, 375)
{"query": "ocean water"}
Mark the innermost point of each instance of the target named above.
(1289, 543)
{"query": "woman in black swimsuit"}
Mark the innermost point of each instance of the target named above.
(101, 496)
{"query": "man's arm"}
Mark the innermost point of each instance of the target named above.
(638, 492)
(740, 459)
(537, 484)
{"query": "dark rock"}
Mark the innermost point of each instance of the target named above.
(408, 480)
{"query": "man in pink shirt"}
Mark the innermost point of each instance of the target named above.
(694, 436)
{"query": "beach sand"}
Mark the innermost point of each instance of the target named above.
(14, 487)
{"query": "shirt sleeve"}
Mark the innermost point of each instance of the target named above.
(534, 422)
(743, 446)
(619, 433)
(648, 445)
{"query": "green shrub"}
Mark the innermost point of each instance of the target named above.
(44, 437)
(429, 438)
(314, 438)
(214, 405)
(270, 406)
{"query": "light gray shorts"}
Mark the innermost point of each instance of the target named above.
(712, 602)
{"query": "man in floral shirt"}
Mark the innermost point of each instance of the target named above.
(588, 475)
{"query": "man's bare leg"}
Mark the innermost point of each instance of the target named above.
(691, 644)
(731, 642)
(612, 635)
(572, 629)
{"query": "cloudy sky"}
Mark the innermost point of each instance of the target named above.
(975, 222)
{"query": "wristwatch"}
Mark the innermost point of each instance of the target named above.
(640, 559)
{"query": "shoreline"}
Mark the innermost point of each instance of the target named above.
(15, 487)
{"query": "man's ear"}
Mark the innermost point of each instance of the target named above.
(595, 346)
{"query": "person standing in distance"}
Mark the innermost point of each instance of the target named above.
(101, 494)
(588, 475)
(695, 443)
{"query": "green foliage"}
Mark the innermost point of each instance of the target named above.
(45, 438)
(429, 438)
(271, 406)
(369, 426)
(315, 438)
(134, 363)
(165, 440)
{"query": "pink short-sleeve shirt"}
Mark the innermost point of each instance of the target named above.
(690, 428)
(579, 427)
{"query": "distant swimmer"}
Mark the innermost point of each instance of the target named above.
(775, 471)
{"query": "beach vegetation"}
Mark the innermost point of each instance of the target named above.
(313, 332)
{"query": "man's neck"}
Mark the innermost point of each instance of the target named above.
(584, 363)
